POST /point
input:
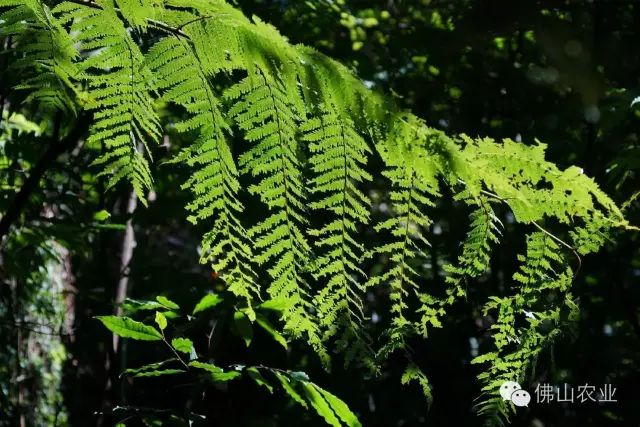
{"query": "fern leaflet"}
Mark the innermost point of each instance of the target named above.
(120, 94)
(263, 110)
(338, 158)
(214, 183)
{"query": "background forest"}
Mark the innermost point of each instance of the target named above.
(566, 74)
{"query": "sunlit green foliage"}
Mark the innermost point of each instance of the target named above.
(304, 133)
(186, 360)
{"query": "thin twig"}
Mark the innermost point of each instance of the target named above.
(554, 237)
(22, 326)
(173, 349)
(210, 335)
(563, 243)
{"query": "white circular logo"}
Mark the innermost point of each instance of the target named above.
(507, 389)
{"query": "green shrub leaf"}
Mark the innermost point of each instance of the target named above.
(207, 302)
(320, 404)
(288, 388)
(161, 321)
(242, 326)
(217, 374)
(129, 328)
(259, 379)
(267, 326)
(183, 345)
(149, 367)
(158, 373)
(340, 408)
(166, 302)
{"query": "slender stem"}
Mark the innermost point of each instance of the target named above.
(557, 239)
(126, 254)
(539, 227)
(173, 350)
(198, 19)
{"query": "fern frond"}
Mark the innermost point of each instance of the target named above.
(413, 374)
(533, 187)
(476, 248)
(138, 12)
(543, 302)
(339, 156)
(264, 111)
(413, 174)
(120, 91)
(45, 53)
(210, 23)
(214, 183)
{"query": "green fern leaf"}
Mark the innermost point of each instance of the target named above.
(120, 91)
(45, 53)
(414, 185)
(338, 159)
(264, 111)
(214, 182)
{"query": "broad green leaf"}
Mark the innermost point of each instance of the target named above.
(208, 301)
(183, 345)
(111, 227)
(217, 373)
(299, 376)
(149, 367)
(133, 305)
(256, 376)
(158, 373)
(129, 328)
(161, 321)
(288, 388)
(224, 377)
(209, 367)
(266, 325)
(243, 327)
(102, 215)
(319, 404)
(167, 303)
(340, 408)
(170, 314)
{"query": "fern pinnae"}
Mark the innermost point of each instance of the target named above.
(338, 157)
(138, 13)
(263, 110)
(46, 53)
(414, 186)
(214, 182)
(539, 279)
(115, 70)
(473, 261)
